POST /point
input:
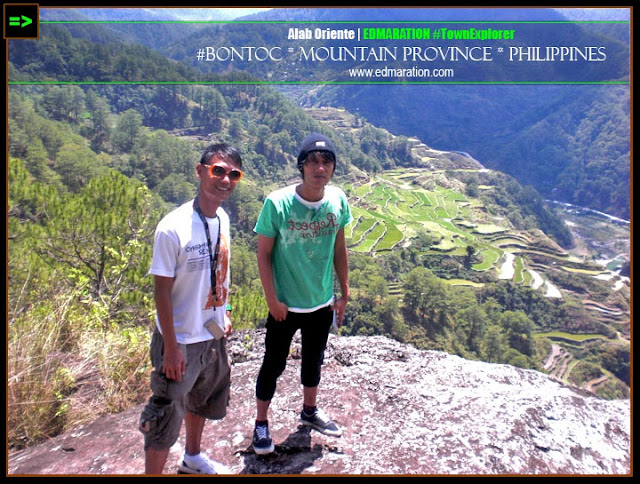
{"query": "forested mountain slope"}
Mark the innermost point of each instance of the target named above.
(571, 142)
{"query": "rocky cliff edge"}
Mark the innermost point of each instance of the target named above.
(403, 411)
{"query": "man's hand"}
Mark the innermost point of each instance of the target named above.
(228, 327)
(173, 363)
(278, 310)
(339, 307)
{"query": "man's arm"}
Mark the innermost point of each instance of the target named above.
(173, 362)
(341, 266)
(277, 309)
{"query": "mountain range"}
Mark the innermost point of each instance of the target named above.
(521, 117)
(569, 141)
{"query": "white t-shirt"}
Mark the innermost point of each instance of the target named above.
(180, 251)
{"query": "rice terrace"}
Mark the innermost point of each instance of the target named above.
(426, 207)
(392, 208)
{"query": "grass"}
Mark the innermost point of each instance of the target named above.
(463, 282)
(589, 272)
(489, 229)
(576, 338)
(519, 271)
(490, 257)
(66, 365)
(392, 237)
(371, 239)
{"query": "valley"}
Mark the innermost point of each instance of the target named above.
(428, 208)
(393, 207)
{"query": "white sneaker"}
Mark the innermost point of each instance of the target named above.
(198, 464)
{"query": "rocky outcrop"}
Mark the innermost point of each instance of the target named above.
(403, 410)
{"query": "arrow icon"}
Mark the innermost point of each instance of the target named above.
(15, 21)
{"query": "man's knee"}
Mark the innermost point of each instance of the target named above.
(160, 422)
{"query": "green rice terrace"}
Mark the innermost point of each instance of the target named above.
(393, 208)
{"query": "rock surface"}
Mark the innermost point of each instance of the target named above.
(403, 411)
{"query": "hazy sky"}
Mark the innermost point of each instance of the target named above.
(571, 13)
(231, 13)
(224, 13)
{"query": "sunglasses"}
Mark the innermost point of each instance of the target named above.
(219, 172)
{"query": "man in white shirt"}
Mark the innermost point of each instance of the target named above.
(190, 265)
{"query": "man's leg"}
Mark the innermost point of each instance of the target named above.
(194, 426)
(276, 350)
(162, 416)
(262, 409)
(193, 461)
(154, 460)
(315, 334)
(208, 399)
(309, 396)
(277, 343)
(314, 342)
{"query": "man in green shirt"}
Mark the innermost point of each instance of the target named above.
(301, 243)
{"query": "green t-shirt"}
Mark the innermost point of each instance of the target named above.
(305, 233)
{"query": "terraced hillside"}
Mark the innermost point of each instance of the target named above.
(393, 209)
(399, 207)
(426, 208)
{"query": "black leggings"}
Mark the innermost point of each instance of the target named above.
(314, 328)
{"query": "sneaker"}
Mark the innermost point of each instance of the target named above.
(321, 422)
(197, 464)
(262, 443)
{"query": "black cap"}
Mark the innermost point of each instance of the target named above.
(315, 142)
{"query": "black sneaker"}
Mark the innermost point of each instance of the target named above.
(262, 443)
(319, 421)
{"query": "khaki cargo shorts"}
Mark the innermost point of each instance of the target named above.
(203, 391)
